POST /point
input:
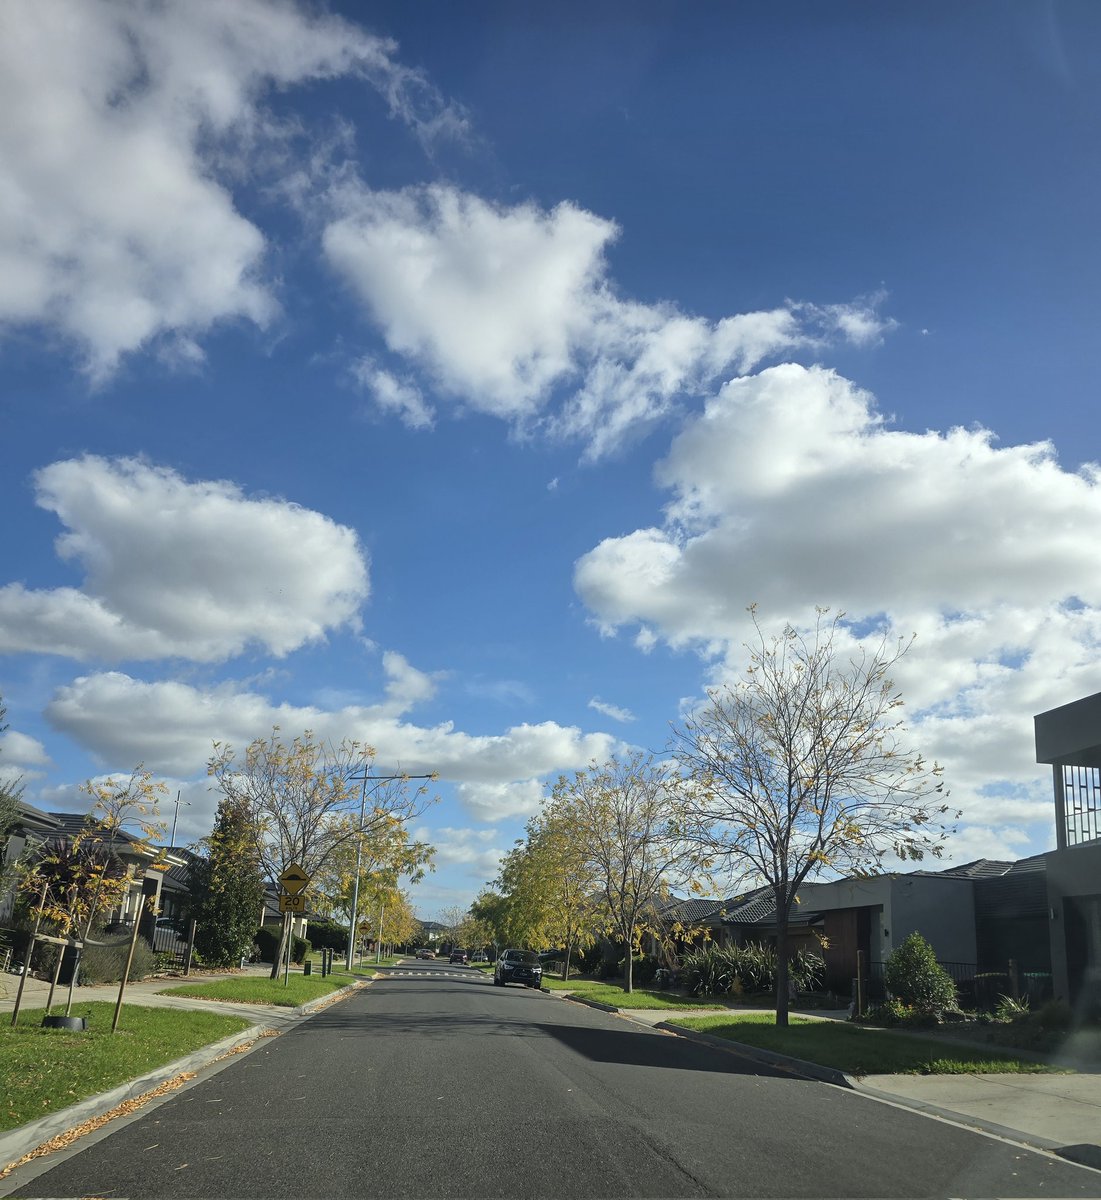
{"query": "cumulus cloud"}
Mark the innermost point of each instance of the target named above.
(791, 490)
(126, 126)
(176, 568)
(170, 726)
(506, 308)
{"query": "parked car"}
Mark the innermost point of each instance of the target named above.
(459, 956)
(518, 966)
(426, 953)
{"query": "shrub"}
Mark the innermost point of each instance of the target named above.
(1053, 1015)
(1009, 1009)
(644, 969)
(106, 963)
(267, 941)
(913, 974)
(328, 935)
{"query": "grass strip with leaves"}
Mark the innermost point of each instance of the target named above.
(255, 989)
(859, 1051)
(46, 1070)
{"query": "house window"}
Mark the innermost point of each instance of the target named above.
(1082, 804)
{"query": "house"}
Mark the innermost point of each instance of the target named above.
(1069, 739)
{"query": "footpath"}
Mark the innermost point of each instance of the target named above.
(1060, 1113)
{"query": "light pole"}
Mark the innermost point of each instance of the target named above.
(379, 781)
(175, 815)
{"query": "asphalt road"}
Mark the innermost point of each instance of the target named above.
(435, 1083)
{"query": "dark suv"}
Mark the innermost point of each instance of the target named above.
(518, 966)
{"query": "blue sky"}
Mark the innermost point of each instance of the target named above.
(453, 378)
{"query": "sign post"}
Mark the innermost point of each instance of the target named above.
(294, 882)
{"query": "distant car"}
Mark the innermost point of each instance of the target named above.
(459, 956)
(426, 954)
(479, 957)
(518, 966)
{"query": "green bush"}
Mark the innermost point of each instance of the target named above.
(328, 935)
(914, 976)
(267, 942)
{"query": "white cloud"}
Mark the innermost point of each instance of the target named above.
(471, 849)
(22, 750)
(170, 727)
(790, 490)
(126, 124)
(174, 568)
(391, 394)
(611, 710)
(504, 307)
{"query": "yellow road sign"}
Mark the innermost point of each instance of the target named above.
(294, 880)
(291, 904)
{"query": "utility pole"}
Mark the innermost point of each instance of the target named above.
(378, 780)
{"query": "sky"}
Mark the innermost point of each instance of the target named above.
(454, 377)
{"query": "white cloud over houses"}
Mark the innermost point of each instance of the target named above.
(506, 308)
(791, 490)
(170, 726)
(127, 125)
(184, 569)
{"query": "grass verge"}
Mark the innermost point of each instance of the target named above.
(46, 1070)
(860, 1051)
(609, 993)
(255, 989)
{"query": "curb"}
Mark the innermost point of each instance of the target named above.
(797, 1065)
(770, 1058)
(21, 1141)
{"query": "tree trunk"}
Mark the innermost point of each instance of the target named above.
(280, 953)
(781, 962)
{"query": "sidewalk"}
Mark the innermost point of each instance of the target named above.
(143, 992)
(1059, 1113)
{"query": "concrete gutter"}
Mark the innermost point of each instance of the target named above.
(21, 1141)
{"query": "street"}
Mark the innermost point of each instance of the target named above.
(433, 1082)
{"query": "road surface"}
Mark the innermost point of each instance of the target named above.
(434, 1083)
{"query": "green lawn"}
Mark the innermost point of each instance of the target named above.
(857, 1050)
(257, 989)
(610, 993)
(45, 1070)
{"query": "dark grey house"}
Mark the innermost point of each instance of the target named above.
(1069, 738)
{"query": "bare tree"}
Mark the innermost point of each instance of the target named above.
(799, 769)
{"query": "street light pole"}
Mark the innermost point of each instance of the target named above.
(379, 781)
(175, 815)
